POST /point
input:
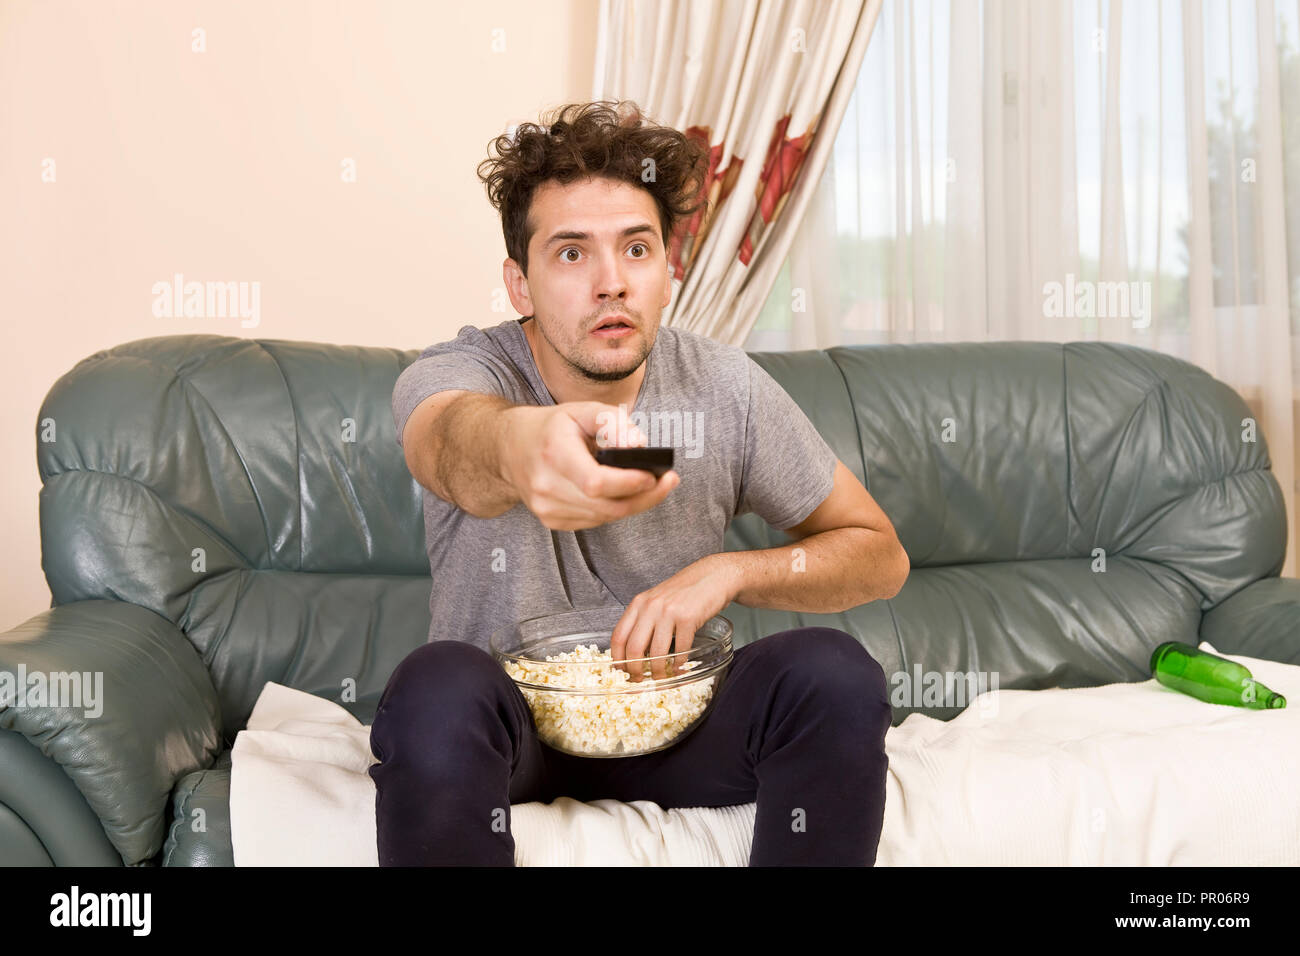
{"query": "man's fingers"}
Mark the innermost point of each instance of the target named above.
(682, 644)
(618, 638)
(609, 425)
(660, 646)
(638, 644)
(655, 491)
(595, 480)
(625, 483)
(645, 493)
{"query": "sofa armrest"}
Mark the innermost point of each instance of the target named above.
(1261, 620)
(53, 818)
(118, 697)
(209, 791)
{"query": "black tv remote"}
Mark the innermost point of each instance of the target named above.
(658, 461)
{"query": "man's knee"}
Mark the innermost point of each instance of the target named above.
(436, 679)
(836, 663)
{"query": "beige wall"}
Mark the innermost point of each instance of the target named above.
(227, 165)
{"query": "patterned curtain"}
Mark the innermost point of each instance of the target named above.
(764, 85)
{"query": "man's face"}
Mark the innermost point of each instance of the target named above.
(595, 253)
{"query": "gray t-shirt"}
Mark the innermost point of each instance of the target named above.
(742, 445)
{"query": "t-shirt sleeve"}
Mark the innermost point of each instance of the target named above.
(789, 469)
(462, 363)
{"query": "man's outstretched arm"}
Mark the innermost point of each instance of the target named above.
(455, 443)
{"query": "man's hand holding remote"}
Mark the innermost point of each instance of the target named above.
(547, 456)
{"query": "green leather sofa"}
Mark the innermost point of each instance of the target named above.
(217, 512)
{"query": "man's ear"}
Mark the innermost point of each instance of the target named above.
(517, 287)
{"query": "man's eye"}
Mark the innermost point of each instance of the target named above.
(641, 245)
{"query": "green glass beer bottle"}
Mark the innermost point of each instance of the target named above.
(1210, 678)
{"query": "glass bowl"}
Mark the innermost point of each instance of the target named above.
(592, 708)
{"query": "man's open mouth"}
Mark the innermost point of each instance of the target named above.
(612, 327)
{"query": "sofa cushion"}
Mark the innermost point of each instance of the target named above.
(1129, 774)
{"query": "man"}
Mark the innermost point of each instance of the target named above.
(499, 426)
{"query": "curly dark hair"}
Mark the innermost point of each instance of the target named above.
(585, 140)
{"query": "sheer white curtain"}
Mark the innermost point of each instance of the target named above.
(1062, 170)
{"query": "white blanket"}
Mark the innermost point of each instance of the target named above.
(1124, 774)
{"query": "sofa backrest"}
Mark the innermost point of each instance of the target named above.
(253, 492)
(1012, 451)
(1066, 507)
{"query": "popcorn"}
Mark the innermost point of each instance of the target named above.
(603, 722)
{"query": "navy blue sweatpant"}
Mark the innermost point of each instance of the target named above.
(798, 726)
